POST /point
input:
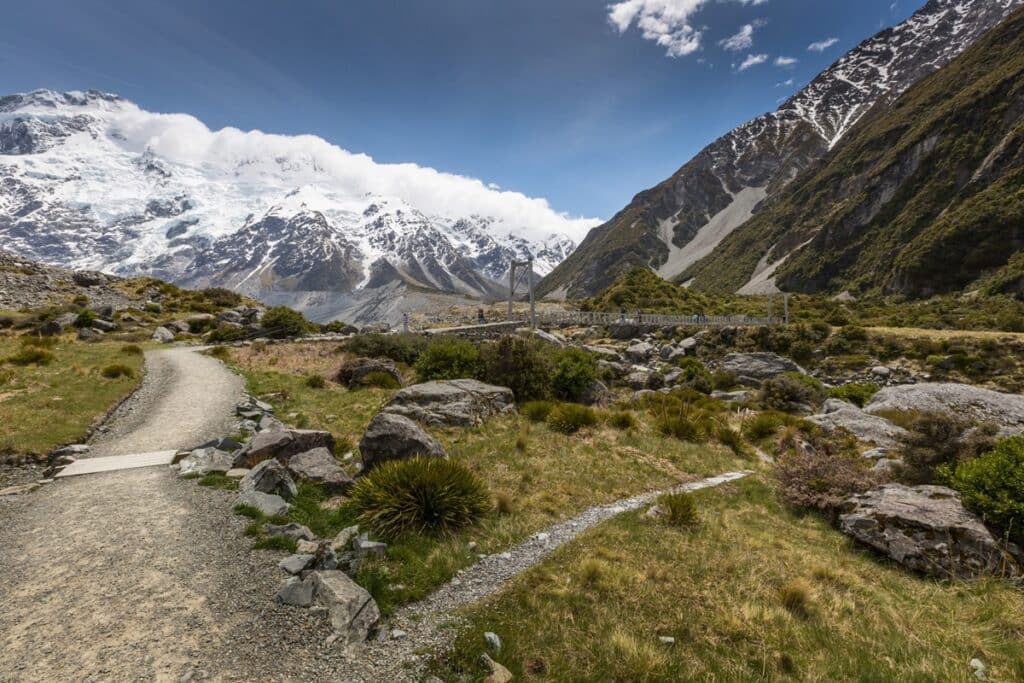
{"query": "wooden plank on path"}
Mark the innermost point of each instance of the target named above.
(114, 463)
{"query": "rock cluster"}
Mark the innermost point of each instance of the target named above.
(454, 403)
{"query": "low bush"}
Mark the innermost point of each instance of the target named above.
(992, 485)
(85, 319)
(680, 427)
(221, 352)
(132, 350)
(622, 420)
(792, 389)
(857, 393)
(795, 596)
(569, 418)
(763, 425)
(680, 509)
(31, 356)
(315, 381)
(522, 365)
(819, 474)
(221, 297)
(448, 358)
(226, 333)
(280, 322)
(574, 372)
(723, 380)
(933, 439)
(116, 371)
(401, 348)
(730, 438)
(537, 411)
(381, 380)
(38, 341)
(427, 496)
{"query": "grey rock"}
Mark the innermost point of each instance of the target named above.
(267, 503)
(394, 437)
(597, 394)
(759, 366)
(640, 395)
(205, 461)
(689, 345)
(493, 642)
(163, 335)
(89, 334)
(353, 613)
(737, 396)
(456, 402)
(320, 467)
(367, 549)
(642, 379)
(926, 529)
(865, 426)
(103, 325)
(269, 476)
(623, 330)
(292, 530)
(344, 538)
(974, 403)
(881, 371)
(282, 444)
(296, 591)
(354, 372)
(639, 352)
(296, 564)
(49, 329)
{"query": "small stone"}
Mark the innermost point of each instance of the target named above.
(506, 556)
(294, 564)
(306, 547)
(979, 669)
(493, 642)
(292, 530)
(237, 472)
(398, 634)
(344, 537)
(667, 640)
(471, 545)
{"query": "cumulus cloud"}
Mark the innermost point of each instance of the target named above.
(822, 45)
(665, 22)
(785, 61)
(268, 158)
(752, 60)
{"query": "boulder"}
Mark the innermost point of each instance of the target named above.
(926, 529)
(353, 613)
(205, 461)
(319, 466)
(103, 325)
(964, 400)
(758, 366)
(292, 530)
(689, 346)
(296, 591)
(282, 444)
(866, 427)
(642, 379)
(297, 563)
(163, 335)
(352, 373)
(597, 394)
(49, 329)
(395, 437)
(623, 330)
(269, 476)
(267, 503)
(640, 351)
(454, 402)
(88, 278)
(89, 334)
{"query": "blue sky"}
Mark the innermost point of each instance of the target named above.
(582, 102)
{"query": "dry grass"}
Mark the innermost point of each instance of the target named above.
(939, 335)
(756, 593)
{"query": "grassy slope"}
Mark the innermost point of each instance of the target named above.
(553, 478)
(595, 609)
(45, 406)
(941, 230)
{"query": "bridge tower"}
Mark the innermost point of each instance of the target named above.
(513, 283)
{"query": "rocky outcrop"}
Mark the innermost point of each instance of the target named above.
(271, 477)
(395, 437)
(319, 466)
(926, 529)
(282, 444)
(866, 427)
(758, 366)
(964, 400)
(353, 373)
(456, 402)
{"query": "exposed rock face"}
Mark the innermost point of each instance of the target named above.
(456, 402)
(394, 437)
(282, 444)
(866, 427)
(354, 372)
(319, 467)
(353, 613)
(205, 461)
(269, 476)
(267, 503)
(758, 366)
(926, 529)
(975, 403)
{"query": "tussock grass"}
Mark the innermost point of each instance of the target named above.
(117, 370)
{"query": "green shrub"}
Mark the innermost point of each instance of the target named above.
(280, 322)
(575, 371)
(992, 485)
(381, 380)
(153, 307)
(315, 381)
(622, 420)
(117, 371)
(221, 297)
(226, 333)
(730, 438)
(681, 427)
(932, 440)
(522, 365)
(857, 393)
(448, 358)
(763, 425)
(84, 319)
(31, 356)
(537, 411)
(680, 509)
(401, 348)
(131, 350)
(427, 496)
(723, 380)
(569, 418)
(791, 389)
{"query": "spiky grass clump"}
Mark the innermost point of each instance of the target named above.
(680, 509)
(622, 420)
(131, 350)
(427, 496)
(116, 371)
(38, 341)
(569, 418)
(314, 381)
(537, 411)
(31, 356)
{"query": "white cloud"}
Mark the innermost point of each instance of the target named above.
(788, 83)
(752, 60)
(742, 39)
(665, 22)
(822, 45)
(264, 157)
(785, 61)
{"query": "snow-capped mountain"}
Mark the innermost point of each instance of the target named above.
(89, 180)
(677, 223)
